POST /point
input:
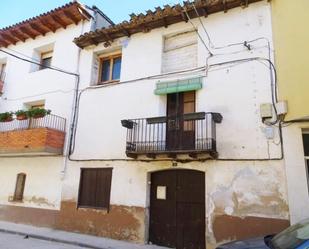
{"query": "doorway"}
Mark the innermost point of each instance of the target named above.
(177, 209)
(180, 133)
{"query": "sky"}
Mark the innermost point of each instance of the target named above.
(13, 11)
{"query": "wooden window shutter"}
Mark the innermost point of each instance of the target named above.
(94, 188)
(20, 186)
(104, 180)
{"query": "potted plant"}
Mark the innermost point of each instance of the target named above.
(21, 115)
(38, 112)
(6, 117)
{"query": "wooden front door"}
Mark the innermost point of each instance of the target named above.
(177, 209)
(180, 133)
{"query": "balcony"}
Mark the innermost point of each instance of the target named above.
(192, 135)
(33, 136)
(2, 77)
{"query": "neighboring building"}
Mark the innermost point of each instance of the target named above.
(169, 145)
(32, 151)
(291, 44)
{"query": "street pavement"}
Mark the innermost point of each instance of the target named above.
(13, 241)
(12, 237)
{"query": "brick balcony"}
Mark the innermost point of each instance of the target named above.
(42, 136)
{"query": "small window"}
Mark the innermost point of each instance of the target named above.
(95, 187)
(46, 59)
(40, 106)
(20, 186)
(110, 68)
(2, 71)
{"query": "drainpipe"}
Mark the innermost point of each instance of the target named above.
(77, 81)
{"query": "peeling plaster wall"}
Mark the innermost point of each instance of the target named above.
(237, 192)
(43, 181)
(234, 190)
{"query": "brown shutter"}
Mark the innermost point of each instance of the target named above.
(95, 186)
(104, 180)
(20, 186)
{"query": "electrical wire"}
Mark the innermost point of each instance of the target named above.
(157, 76)
(204, 28)
(196, 30)
(39, 64)
(219, 64)
(38, 95)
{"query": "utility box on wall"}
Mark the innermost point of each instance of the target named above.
(266, 110)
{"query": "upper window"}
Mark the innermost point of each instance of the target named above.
(179, 52)
(20, 186)
(2, 71)
(110, 68)
(95, 187)
(46, 59)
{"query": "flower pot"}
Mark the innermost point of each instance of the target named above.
(39, 116)
(7, 120)
(21, 117)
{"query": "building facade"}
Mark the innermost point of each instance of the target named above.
(170, 138)
(293, 76)
(176, 132)
(40, 74)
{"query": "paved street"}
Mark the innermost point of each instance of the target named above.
(10, 241)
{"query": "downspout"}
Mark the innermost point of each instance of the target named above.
(76, 89)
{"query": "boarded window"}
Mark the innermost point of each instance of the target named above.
(180, 52)
(20, 186)
(95, 187)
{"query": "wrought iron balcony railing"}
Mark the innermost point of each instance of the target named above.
(49, 121)
(192, 134)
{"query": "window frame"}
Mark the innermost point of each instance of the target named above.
(107, 207)
(15, 199)
(111, 59)
(45, 55)
(306, 158)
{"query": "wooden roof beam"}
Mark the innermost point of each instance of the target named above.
(4, 42)
(224, 3)
(164, 22)
(27, 32)
(107, 36)
(125, 31)
(70, 16)
(48, 25)
(9, 38)
(245, 3)
(58, 20)
(37, 29)
(19, 36)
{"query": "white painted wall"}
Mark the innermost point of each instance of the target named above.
(24, 85)
(236, 92)
(43, 181)
(296, 171)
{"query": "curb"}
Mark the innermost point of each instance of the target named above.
(46, 238)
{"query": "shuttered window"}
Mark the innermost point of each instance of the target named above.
(20, 186)
(180, 52)
(95, 187)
